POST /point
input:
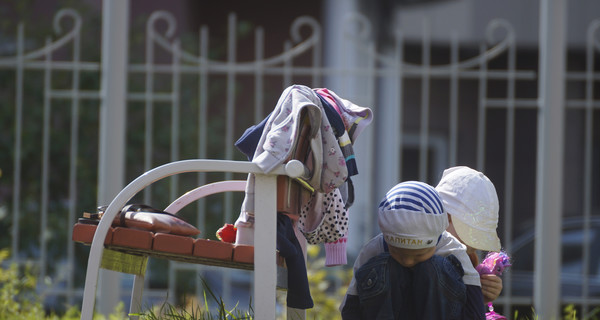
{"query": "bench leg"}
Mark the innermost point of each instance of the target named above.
(89, 297)
(136, 296)
(265, 272)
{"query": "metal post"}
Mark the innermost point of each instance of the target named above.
(113, 93)
(549, 202)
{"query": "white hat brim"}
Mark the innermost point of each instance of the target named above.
(486, 240)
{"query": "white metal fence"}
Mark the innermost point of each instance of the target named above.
(435, 106)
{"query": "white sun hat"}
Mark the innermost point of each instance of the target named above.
(470, 199)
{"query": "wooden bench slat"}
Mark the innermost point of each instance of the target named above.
(243, 253)
(171, 247)
(213, 249)
(133, 238)
(173, 244)
(84, 233)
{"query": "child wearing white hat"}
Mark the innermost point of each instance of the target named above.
(471, 201)
(400, 273)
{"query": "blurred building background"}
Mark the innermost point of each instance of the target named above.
(450, 82)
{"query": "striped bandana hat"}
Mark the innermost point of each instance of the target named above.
(412, 216)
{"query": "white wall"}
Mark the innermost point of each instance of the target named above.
(469, 18)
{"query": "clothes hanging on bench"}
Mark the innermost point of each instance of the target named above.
(248, 142)
(331, 111)
(298, 290)
(276, 144)
(340, 132)
(343, 120)
(355, 118)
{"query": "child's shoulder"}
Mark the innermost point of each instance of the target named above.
(449, 245)
(370, 249)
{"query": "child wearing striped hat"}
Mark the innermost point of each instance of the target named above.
(400, 275)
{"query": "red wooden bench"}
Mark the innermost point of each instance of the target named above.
(127, 250)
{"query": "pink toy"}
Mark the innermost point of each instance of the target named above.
(494, 263)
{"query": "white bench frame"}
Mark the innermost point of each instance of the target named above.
(265, 269)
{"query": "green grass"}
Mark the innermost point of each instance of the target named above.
(197, 312)
(19, 301)
(569, 313)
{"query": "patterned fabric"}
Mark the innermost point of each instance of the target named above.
(324, 218)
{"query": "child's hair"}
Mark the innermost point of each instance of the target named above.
(412, 216)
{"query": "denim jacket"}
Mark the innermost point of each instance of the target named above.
(387, 290)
